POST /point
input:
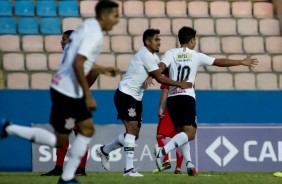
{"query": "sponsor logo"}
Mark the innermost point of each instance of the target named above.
(177, 91)
(131, 112)
(232, 151)
(70, 123)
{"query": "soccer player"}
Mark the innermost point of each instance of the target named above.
(278, 174)
(166, 129)
(61, 152)
(72, 100)
(183, 63)
(128, 99)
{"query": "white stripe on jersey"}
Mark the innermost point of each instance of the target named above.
(183, 64)
(86, 40)
(138, 70)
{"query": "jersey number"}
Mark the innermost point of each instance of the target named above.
(183, 73)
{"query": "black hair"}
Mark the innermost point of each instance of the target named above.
(185, 34)
(68, 32)
(149, 33)
(103, 5)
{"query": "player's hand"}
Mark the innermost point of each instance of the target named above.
(111, 71)
(248, 61)
(148, 82)
(160, 114)
(90, 103)
(185, 85)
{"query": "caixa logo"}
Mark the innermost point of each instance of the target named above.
(211, 151)
(252, 151)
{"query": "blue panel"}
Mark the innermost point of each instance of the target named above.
(16, 154)
(212, 106)
(6, 8)
(68, 8)
(24, 8)
(239, 106)
(28, 26)
(50, 26)
(7, 25)
(229, 107)
(46, 8)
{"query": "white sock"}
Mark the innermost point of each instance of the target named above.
(129, 143)
(177, 141)
(118, 142)
(77, 151)
(185, 149)
(34, 134)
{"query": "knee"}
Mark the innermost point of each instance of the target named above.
(61, 142)
(87, 131)
(190, 135)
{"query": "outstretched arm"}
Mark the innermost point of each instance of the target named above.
(109, 71)
(248, 61)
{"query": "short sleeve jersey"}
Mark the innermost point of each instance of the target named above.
(86, 40)
(183, 64)
(142, 63)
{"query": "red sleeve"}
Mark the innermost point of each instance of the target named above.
(164, 86)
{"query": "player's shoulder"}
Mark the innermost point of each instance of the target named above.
(92, 27)
(180, 50)
(144, 52)
(90, 22)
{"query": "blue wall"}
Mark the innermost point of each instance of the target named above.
(215, 107)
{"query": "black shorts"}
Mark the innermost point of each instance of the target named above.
(66, 112)
(128, 108)
(182, 110)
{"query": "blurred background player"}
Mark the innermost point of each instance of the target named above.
(72, 100)
(166, 129)
(61, 152)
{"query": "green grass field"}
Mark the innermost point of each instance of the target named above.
(149, 178)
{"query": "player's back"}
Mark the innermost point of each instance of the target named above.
(183, 64)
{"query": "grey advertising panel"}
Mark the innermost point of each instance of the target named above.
(216, 148)
(43, 157)
(239, 148)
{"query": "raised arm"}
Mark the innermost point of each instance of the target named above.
(248, 61)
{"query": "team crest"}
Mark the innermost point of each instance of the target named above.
(70, 123)
(131, 112)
